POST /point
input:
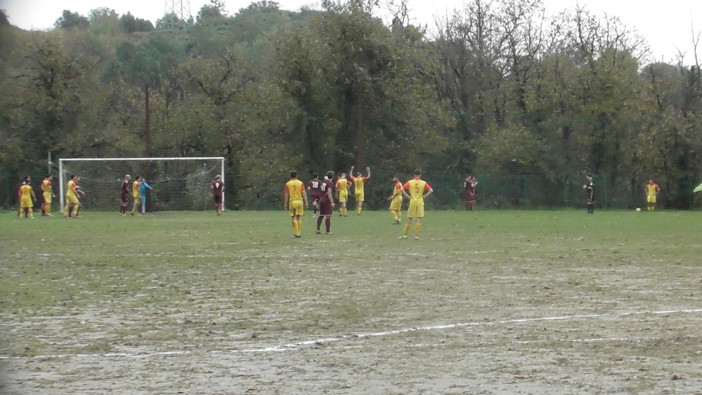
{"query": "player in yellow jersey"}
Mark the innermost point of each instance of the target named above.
(136, 195)
(418, 190)
(295, 201)
(396, 201)
(27, 198)
(652, 190)
(359, 183)
(342, 188)
(73, 191)
(47, 193)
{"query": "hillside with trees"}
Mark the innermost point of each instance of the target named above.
(527, 103)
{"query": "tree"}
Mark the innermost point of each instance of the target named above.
(130, 24)
(70, 20)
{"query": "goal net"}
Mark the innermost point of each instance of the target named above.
(178, 183)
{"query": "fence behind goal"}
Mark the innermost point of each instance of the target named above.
(178, 183)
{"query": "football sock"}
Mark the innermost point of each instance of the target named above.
(327, 224)
(407, 228)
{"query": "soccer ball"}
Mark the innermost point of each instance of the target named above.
(638, 210)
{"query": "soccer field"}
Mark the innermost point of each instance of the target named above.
(489, 302)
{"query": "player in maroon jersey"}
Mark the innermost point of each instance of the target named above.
(314, 187)
(326, 203)
(469, 185)
(124, 194)
(217, 192)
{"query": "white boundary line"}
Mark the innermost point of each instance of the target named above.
(297, 345)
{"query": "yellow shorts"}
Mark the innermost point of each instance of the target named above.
(396, 204)
(359, 197)
(72, 199)
(415, 211)
(651, 198)
(26, 203)
(343, 196)
(47, 197)
(297, 207)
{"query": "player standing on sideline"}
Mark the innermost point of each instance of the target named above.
(73, 191)
(217, 192)
(342, 191)
(358, 186)
(652, 190)
(326, 203)
(143, 187)
(295, 200)
(27, 198)
(314, 186)
(46, 193)
(589, 188)
(135, 195)
(418, 190)
(396, 201)
(469, 185)
(124, 194)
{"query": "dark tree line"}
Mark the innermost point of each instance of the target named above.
(495, 89)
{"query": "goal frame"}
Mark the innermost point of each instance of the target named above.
(62, 182)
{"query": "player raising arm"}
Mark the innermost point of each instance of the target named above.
(358, 187)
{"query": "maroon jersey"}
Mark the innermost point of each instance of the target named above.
(469, 189)
(327, 185)
(124, 191)
(315, 187)
(217, 188)
(325, 204)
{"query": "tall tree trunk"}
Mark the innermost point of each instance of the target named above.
(147, 123)
(360, 131)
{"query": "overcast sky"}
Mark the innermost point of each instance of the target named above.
(667, 25)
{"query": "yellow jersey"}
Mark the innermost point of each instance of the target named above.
(416, 188)
(135, 190)
(46, 186)
(71, 189)
(294, 189)
(342, 185)
(358, 184)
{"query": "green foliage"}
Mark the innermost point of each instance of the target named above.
(317, 90)
(70, 20)
(130, 24)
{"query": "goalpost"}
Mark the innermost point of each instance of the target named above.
(178, 183)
